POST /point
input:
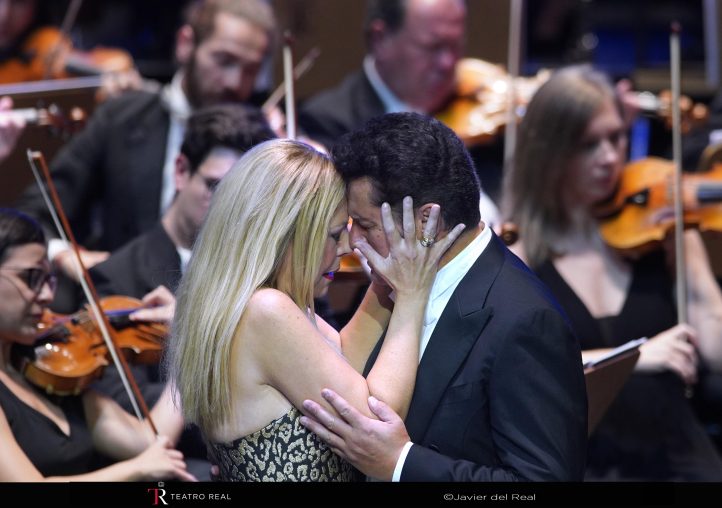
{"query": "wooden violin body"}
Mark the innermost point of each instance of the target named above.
(69, 353)
(642, 211)
(479, 111)
(48, 54)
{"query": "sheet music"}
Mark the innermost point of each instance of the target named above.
(617, 351)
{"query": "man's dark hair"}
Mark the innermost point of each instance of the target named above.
(408, 154)
(17, 229)
(391, 12)
(235, 126)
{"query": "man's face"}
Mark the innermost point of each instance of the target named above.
(224, 66)
(366, 219)
(195, 192)
(419, 61)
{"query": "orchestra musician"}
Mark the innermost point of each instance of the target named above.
(115, 178)
(57, 438)
(412, 50)
(571, 150)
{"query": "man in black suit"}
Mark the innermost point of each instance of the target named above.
(413, 47)
(500, 391)
(122, 163)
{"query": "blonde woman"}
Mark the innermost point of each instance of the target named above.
(248, 348)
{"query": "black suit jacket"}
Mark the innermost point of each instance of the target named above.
(140, 266)
(500, 393)
(334, 112)
(114, 165)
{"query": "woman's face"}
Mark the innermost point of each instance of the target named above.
(595, 168)
(336, 246)
(26, 289)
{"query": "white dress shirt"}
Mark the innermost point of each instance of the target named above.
(444, 286)
(175, 100)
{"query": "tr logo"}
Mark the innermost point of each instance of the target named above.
(158, 495)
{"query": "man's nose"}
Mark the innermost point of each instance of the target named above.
(344, 244)
(233, 80)
(354, 235)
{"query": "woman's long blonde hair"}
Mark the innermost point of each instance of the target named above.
(269, 215)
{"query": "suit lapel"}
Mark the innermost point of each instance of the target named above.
(456, 332)
(146, 158)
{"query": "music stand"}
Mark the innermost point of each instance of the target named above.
(604, 379)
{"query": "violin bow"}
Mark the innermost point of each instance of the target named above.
(680, 262)
(513, 56)
(289, 86)
(301, 68)
(68, 21)
(679, 251)
(63, 227)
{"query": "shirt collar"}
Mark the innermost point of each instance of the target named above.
(451, 274)
(175, 98)
(392, 104)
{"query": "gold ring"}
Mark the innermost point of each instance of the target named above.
(426, 241)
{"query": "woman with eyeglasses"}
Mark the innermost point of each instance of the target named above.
(570, 153)
(57, 438)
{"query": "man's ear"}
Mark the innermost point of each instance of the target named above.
(182, 175)
(377, 36)
(421, 218)
(185, 42)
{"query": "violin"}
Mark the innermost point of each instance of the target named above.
(48, 54)
(641, 212)
(479, 111)
(69, 353)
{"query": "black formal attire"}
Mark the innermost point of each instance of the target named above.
(650, 431)
(116, 162)
(500, 393)
(140, 266)
(51, 451)
(332, 113)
